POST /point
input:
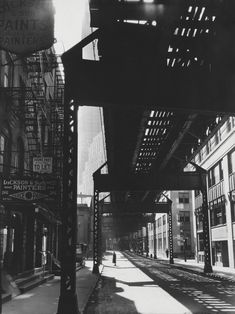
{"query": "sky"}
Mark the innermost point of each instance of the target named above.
(68, 22)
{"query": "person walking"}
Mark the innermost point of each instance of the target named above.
(114, 258)
(167, 253)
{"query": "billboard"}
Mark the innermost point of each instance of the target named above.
(29, 190)
(26, 26)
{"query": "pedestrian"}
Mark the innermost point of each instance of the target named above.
(167, 253)
(114, 258)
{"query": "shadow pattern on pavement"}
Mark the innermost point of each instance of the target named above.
(200, 293)
(105, 300)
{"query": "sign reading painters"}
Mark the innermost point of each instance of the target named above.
(26, 26)
(29, 190)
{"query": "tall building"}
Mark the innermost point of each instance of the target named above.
(182, 227)
(217, 156)
(89, 126)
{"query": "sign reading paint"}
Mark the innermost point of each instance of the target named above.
(26, 26)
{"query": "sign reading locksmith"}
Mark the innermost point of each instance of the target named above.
(29, 190)
(26, 26)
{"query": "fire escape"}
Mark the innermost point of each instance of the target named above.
(39, 105)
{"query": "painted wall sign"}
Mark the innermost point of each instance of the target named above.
(29, 190)
(42, 164)
(26, 26)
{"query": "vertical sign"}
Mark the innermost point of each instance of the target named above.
(26, 26)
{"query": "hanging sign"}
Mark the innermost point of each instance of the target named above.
(26, 26)
(29, 190)
(42, 164)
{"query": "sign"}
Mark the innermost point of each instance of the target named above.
(42, 164)
(29, 190)
(26, 26)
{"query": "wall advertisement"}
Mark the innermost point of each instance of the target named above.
(28, 190)
(26, 26)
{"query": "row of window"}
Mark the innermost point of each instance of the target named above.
(218, 137)
(215, 174)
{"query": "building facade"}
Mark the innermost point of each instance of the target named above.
(217, 156)
(31, 131)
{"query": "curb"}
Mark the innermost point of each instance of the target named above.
(81, 310)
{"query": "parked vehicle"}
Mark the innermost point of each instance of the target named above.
(81, 253)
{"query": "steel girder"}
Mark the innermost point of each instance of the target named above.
(68, 298)
(96, 233)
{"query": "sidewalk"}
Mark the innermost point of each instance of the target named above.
(127, 289)
(44, 299)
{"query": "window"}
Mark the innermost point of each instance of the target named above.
(164, 219)
(200, 242)
(233, 211)
(231, 161)
(2, 151)
(228, 125)
(217, 211)
(217, 137)
(184, 217)
(215, 174)
(6, 80)
(200, 155)
(199, 221)
(208, 147)
(184, 197)
(159, 222)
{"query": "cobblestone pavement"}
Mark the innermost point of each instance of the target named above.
(140, 285)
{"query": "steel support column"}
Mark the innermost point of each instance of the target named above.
(154, 240)
(96, 232)
(68, 298)
(206, 230)
(171, 234)
(147, 241)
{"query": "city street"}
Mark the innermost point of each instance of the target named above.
(140, 285)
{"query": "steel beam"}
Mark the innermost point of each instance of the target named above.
(135, 208)
(106, 13)
(68, 298)
(159, 181)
